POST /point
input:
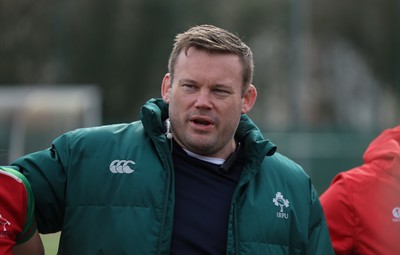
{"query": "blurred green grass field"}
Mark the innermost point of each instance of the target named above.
(50, 242)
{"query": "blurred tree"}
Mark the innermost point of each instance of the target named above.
(370, 27)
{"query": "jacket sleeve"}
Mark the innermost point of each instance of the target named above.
(336, 202)
(18, 200)
(46, 174)
(319, 241)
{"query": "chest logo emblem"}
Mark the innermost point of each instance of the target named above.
(3, 227)
(281, 202)
(4, 223)
(122, 166)
(396, 214)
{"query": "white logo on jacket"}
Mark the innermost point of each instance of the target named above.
(280, 201)
(121, 166)
(3, 229)
(396, 214)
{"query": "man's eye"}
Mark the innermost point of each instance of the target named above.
(189, 86)
(221, 92)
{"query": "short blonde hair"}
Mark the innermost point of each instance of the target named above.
(213, 39)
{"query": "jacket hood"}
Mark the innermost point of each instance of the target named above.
(386, 148)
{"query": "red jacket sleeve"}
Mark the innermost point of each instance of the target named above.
(337, 204)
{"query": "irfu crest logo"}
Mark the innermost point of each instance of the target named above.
(280, 201)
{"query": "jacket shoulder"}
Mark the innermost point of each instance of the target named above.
(100, 133)
(282, 165)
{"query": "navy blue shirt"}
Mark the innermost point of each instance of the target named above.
(203, 194)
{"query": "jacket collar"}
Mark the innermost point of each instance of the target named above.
(155, 112)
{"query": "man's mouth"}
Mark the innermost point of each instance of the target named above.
(202, 121)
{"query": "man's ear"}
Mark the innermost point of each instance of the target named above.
(166, 87)
(249, 99)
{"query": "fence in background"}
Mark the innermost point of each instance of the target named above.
(323, 155)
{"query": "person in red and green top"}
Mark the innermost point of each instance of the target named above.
(18, 232)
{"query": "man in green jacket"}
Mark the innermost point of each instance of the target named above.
(193, 176)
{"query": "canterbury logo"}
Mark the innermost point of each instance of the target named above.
(121, 166)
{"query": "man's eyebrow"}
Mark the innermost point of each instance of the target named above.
(187, 81)
(222, 85)
(217, 85)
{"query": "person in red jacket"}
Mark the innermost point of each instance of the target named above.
(18, 233)
(362, 205)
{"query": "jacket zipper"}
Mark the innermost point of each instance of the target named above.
(167, 160)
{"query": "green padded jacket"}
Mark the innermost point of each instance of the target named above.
(110, 190)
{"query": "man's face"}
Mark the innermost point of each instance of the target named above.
(206, 101)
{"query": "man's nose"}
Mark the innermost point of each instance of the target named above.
(203, 99)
